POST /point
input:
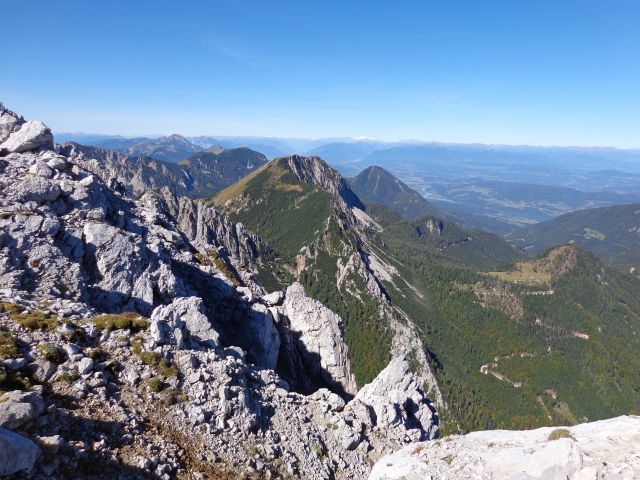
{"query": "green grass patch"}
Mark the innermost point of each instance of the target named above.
(51, 352)
(8, 346)
(161, 365)
(34, 320)
(560, 433)
(69, 377)
(118, 321)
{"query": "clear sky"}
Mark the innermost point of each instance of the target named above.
(540, 72)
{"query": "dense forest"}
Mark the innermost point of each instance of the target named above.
(542, 343)
(513, 342)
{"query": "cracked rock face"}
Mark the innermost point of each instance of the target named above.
(10, 122)
(317, 334)
(398, 403)
(183, 321)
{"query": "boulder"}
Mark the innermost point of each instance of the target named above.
(336, 403)
(9, 123)
(18, 408)
(17, 453)
(274, 298)
(50, 445)
(42, 370)
(398, 403)
(85, 366)
(30, 136)
(183, 320)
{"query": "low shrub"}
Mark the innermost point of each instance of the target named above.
(69, 377)
(51, 352)
(155, 384)
(161, 365)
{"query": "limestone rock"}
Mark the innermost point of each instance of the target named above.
(318, 339)
(17, 453)
(50, 445)
(30, 136)
(18, 408)
(316, 172)
(604, 449)
(42, 370)
(265, 336)
(398, 403)
(9, 122)
(85, 366)
(182, 320)
(274, 298)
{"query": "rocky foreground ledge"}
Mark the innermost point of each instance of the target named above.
(608, 449)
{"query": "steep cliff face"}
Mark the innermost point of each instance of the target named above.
(316, 334)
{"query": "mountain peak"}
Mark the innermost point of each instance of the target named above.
(315, 171)
(175, 137)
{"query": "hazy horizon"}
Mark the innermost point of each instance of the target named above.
(342, 139)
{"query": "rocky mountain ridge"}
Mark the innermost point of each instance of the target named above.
(171, 148)
(197, 176)
(137, 341)
(335, 250)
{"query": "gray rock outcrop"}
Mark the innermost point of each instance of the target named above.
(183, 321)
(10, 122)
(398, 403)
(17, 453)
(197, 177)
(32, 135)
(18, 135)
(317, 337)
(316, 172)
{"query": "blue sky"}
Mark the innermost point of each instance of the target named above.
(543, 72)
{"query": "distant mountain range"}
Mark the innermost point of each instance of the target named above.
(499, 188)
(613, 233)
(376, 185)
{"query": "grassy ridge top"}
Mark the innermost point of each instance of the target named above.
(286, 212)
